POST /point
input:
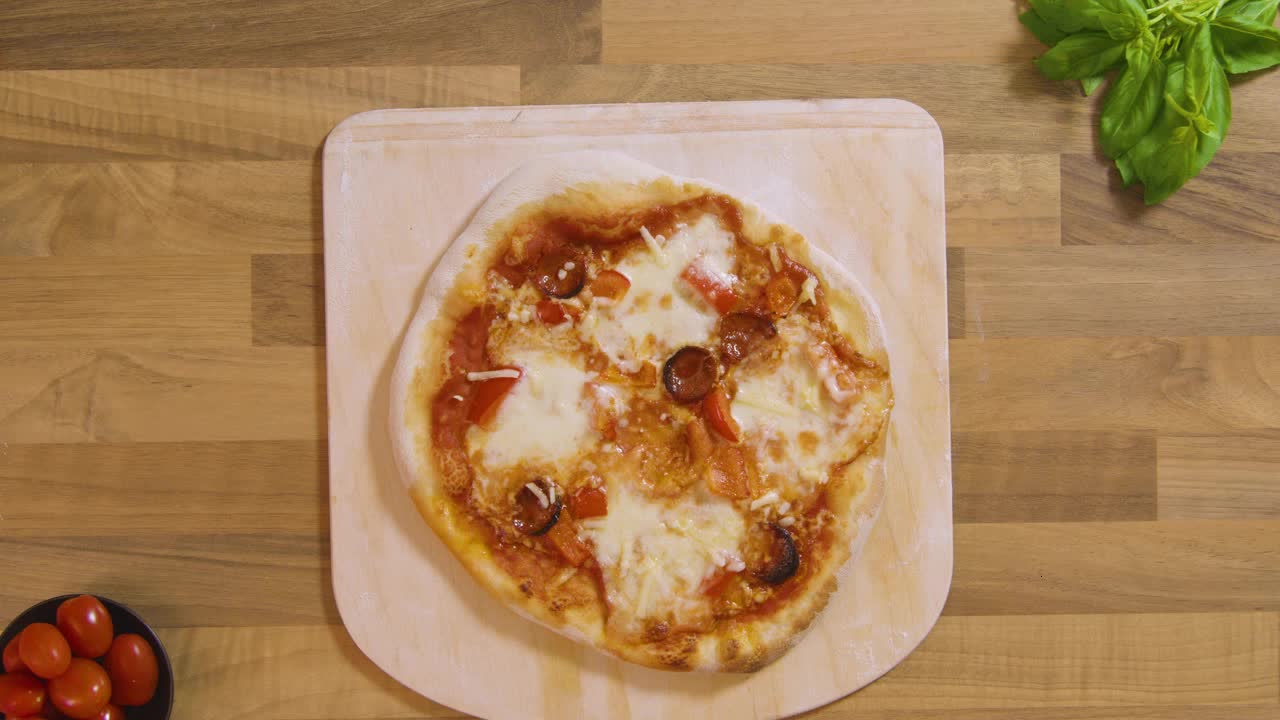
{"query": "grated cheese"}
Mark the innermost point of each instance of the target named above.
(459, 398)
(806, 291)
(537, 492)
(646, 587)
(563, 577)
(787, 521)
(774, 260)
(767, 499)
(492, 374)
(764, 403)
(652, 242)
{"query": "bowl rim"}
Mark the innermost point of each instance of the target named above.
(166, 678)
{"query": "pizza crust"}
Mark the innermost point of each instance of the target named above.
(456, 284)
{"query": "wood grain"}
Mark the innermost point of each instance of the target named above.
(1176, 566)
(1108, 291)
(217, 114)
(180, 579)
(1047, 661)
(969, 666)
(1220, 477)
(813, 31)
(283, 673)
(43, 34)
(1233, 200)
(1125, 712)
(288, 300)
(159, 208)
(113, 395)
(994, 109)
(1053, 476)
(147, 490)
(1002, 200)
(1203, 384)
(955, 293)
(143, 302)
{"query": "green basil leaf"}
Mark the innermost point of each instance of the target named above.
(1176, 149)
(1122, 19)
(1245, 45)
(1135, 99)
(1122, 27)
(1202, 67)
(1263, 11)
(1044, 30)
(1081, 56)
(1072, 16)
(1068, 16)
(1090, 84)
(1128, 175)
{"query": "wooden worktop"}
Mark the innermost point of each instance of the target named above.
(1115, 371)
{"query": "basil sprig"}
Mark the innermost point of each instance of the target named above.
(1169, 107)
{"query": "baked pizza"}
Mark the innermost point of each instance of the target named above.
(645, 414)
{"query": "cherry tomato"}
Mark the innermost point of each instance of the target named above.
(714, 289)
(133, 669)
(564, 537)
(12, 661)
(728, 476)
(550, 312)
(87, 625)
(781, 294)
(589, 502)
(21, 694)
(610, 284)
(488, 397)
(44, 650)
(110, 712)
(82, 691)
(716, 407)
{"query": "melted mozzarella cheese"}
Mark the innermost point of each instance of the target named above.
(659, 314)
(655, 557)
(787, 407)
(545, 417)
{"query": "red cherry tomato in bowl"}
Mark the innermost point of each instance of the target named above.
(44, 650)
(21, 694)
(110, 712)
(12, 660)
(82, 691)
(87, 625)
(134, 670)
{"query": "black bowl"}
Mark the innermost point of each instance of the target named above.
(125, 621)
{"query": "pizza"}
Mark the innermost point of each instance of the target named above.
(645, 414)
